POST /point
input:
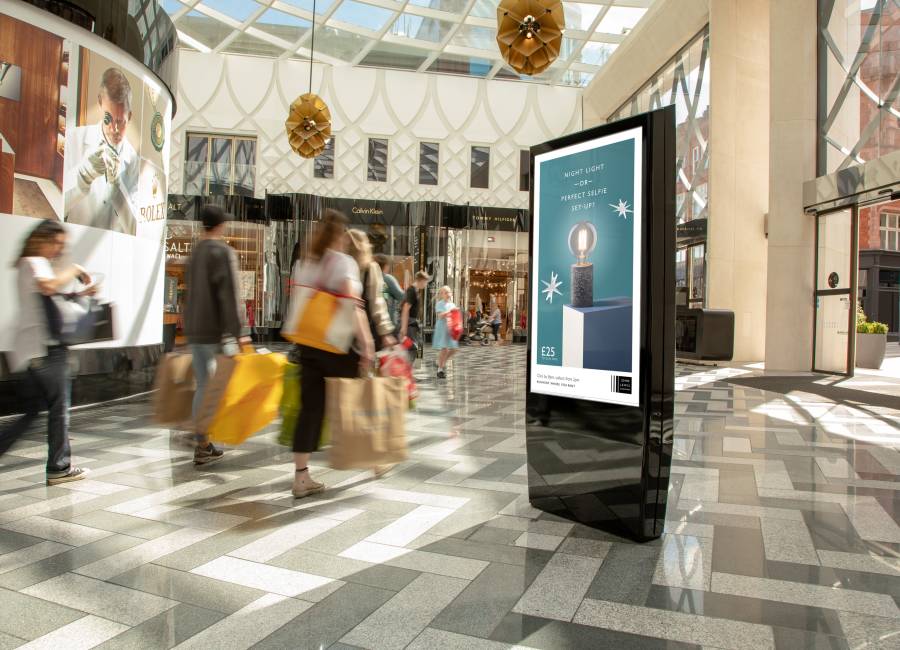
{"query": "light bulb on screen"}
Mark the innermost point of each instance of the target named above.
(582, 241)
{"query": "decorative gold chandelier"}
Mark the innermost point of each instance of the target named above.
(308, 124)
(529, 33)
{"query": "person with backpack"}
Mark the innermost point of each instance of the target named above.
(442, 340)
(39, 353)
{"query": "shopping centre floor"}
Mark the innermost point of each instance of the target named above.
(782, 532)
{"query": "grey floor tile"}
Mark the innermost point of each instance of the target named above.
(684, 561)
(12, 541)
(125, 524)
(846, 600)
(66, 562)
(862, 631)
(749, 610)
(793, 639)
(559, 588)
(675, 626)
(165, 630)
(788, 541)
(626, 574)
(396, 623)
(517, 629)
(196, 590)
(739, 550)
(487, 600)
(27, 617)
(8, 641)
(432, 638)
(490, 535)
(101, 598)
(325, 623)
(265, 615)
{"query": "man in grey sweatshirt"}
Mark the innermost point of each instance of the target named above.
(213, 312)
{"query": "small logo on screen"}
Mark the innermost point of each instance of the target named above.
(621, 385)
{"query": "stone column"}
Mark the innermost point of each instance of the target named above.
(739, 175)
(792, 160)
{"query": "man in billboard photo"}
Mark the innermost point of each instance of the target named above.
(102, 166)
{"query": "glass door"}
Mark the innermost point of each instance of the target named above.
(835, 307)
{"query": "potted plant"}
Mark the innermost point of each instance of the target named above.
(871, 340)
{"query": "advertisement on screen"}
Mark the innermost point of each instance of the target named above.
(84, 141)
(585, 300)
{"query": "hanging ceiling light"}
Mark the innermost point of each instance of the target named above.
(308, 124)
(529, 33)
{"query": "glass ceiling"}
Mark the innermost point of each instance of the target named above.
(449, 36)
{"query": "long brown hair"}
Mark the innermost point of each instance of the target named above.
(334, 225)
(42, 233)
(359, 248)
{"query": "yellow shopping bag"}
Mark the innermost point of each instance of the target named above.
(320, 319)
(243, 396)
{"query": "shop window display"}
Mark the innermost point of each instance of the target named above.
(256, 273)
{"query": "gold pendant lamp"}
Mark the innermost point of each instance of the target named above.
(529, 33)
(308, 124)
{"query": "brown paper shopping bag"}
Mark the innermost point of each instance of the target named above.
(174, 388)
(367, 421)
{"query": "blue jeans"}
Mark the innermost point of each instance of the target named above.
(203, 359)
(47, 381)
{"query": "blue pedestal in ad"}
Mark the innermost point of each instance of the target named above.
(598, 337)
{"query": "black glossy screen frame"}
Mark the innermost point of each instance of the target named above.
(633, 499)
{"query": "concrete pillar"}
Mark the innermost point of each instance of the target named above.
(739, 168)
(792, 160)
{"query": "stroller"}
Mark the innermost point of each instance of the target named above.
(481, 332)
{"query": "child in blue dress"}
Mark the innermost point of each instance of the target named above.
(441, 340)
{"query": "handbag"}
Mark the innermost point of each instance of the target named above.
(75, 320)
(320, 319)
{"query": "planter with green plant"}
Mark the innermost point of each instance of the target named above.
(871, 341)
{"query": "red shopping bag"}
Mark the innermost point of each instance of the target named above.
(455, 324)
(395, 363)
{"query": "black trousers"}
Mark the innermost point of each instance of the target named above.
(315, 366)
(496, 328)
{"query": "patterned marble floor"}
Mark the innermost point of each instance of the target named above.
(782, 533)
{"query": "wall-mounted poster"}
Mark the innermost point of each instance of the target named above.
(585, 341)
(83, 140)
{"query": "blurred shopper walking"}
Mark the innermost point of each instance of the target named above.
(328, 268)
(38, 352)
(393, 292)
(380, 324)
(410, 311)
(441, 340)
(213, 315)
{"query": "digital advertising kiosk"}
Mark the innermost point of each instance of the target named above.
(601, 359)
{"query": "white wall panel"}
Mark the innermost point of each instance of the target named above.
(251, 95)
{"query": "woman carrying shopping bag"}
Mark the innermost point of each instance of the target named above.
(38, 352)
(327, 276)
(441, 340)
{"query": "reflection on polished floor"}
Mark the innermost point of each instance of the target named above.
(783, 533)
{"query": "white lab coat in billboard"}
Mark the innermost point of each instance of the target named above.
(111, 206)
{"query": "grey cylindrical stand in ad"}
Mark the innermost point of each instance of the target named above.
(601, 366)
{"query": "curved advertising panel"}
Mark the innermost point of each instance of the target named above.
(84, 140)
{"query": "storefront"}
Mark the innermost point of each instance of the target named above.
(480, 253)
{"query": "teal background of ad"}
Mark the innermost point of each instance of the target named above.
(612, 257)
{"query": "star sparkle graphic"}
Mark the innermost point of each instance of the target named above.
(551, 287)
(621, 208)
